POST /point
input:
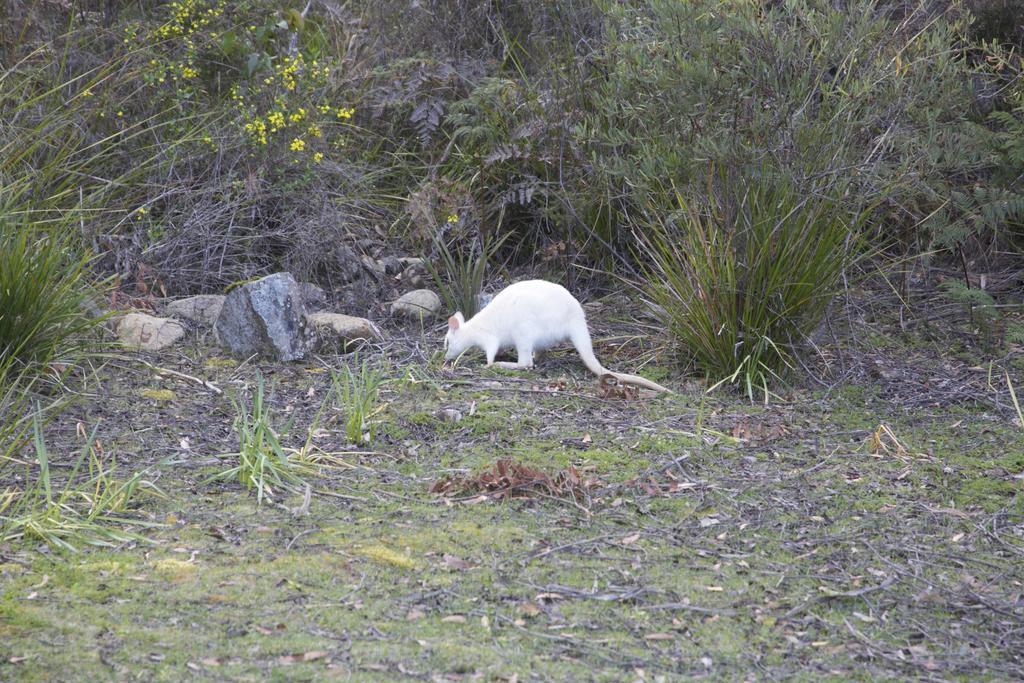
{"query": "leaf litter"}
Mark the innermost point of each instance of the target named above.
(508, 478)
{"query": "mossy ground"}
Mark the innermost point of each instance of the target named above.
(725, 539)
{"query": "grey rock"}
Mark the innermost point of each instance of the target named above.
(417, 304)
(390, 265)
(313, 296)
(336, 331)
(265, 317)
(202, 310)
(148, 333)
(414, 271)
(346, 266)
(410, 261)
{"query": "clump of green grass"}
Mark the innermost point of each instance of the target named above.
(43, 294)
(263, 462)
(90, 510)
(741, 280)
(357, 392)
(458, 272)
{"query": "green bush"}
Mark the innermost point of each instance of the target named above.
(742, 276)
(856, 94)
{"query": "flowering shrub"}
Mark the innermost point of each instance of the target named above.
(248, 70)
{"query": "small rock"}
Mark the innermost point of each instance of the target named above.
(202, 310)
(390, 265)
(335, 331)
(414, 271)
(449, 414)
(313, 296)
(267, 317)
(417, 304)
(147, 332)
(345, 265)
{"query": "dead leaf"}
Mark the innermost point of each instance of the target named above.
(310, 656)
(455, 563)
(659, 636)
(211, 661)
(508, 478)
(609, 387)
(454, 619)
(530, 609)
(631, 539)
(414, 614)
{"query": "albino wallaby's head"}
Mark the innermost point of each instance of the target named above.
(454, 340)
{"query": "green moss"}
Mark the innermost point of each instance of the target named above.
(158, 394)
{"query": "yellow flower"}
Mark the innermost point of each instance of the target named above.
(141, 211)
(298, 144)
(318, 157)
(344, 113)
(453, 218)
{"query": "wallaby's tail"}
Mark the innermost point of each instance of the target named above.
(638, 381)
(581, 340)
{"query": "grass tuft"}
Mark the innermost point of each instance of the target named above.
(744, 278)
(262, 462)
(44, 294)
(88, 510)
(458, 272)
(357, 392)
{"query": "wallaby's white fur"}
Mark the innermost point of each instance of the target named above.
(531, 316)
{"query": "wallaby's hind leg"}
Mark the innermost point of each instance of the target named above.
(525, 354)
(525, 360)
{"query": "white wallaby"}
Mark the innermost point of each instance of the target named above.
(531, 316)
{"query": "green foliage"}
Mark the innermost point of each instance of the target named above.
(44, 291)
(977, 300)
(357, 392)
(742, 277)
(458, 270)
(262, 460)
(90, 508)
(852, 94)
(993, 325)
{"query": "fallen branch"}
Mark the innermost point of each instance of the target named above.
(181, 375)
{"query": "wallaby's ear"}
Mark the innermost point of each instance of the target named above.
(455, 321)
